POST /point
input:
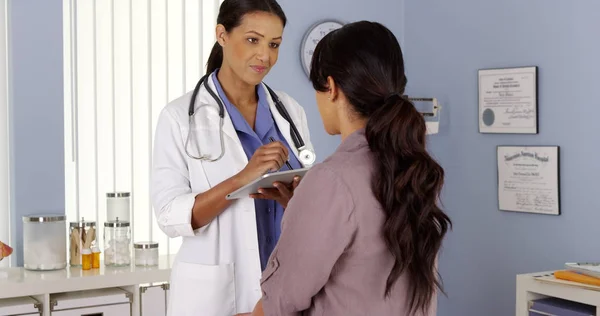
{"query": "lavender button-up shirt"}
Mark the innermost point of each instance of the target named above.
(331, 258)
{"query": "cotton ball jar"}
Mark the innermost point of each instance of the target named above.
(146, 253)
(117, 243)
(44, 242)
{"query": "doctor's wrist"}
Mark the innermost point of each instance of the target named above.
(239, 180)
(244, 177)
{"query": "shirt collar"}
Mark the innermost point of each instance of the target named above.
(264, 120)
(354, 141)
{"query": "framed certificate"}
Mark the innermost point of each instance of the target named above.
(508, 101)
(528, 179)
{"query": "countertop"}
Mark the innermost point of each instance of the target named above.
(16, 282)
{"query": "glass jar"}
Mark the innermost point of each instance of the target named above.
(117, 242)
(44, 242)
(82, 235)
(146, 253)
(117, 206)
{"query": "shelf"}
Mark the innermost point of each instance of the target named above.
(530, 287)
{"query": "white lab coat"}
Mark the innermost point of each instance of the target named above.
(217, 270)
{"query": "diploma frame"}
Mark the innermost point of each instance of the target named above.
(483, 129)
(553, 170)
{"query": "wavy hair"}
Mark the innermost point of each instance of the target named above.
(365, 61)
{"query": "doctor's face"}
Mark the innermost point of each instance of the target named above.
(252, 48)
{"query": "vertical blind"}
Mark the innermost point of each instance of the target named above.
(124, 61)
(4, 128)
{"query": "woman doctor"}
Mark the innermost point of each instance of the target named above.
(214, 140)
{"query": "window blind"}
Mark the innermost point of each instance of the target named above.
(124, 61)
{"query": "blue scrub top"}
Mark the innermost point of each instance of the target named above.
(268, 212)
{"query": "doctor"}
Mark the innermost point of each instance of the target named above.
(215, 140)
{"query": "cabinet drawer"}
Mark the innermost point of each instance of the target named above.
(20, 306)
(106, 310)
(103, 302)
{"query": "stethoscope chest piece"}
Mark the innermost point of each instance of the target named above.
(307, 157)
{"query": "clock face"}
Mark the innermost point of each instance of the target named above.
(312, 38)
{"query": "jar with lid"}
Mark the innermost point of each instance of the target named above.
(44, 242)
(146, 253)
(117, 242)
(117, 206)
(82, 235)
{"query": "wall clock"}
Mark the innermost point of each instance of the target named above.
(312, 37)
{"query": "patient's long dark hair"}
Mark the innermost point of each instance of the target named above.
(365, 61)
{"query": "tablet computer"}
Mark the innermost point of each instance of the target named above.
(265, 182)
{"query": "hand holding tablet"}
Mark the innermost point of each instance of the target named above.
(266, 182)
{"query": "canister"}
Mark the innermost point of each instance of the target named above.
(118, 206)
(44, 242)
(117, 243)
(146, 253)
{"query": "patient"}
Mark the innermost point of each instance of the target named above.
(362, 233)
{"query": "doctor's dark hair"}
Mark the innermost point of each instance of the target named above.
(231, 14)
(365, 61)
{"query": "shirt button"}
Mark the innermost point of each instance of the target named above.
(269, 210)
(269, 240)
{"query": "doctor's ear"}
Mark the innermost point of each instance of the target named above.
(333, 89)
(220, 34)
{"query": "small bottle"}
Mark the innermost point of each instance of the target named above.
(96, 258)
(86, 259)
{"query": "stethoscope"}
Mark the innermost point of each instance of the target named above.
(305, 155)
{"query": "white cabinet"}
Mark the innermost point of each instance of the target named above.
(153, 299)
(21, 306)
(533, 286)
(108, 291)
(105, 302)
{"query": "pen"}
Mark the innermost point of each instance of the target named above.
(287, 163)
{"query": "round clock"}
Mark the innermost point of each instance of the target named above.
(312, 37)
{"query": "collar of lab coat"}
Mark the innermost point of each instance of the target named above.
(209, 109)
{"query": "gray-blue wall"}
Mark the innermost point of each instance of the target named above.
(288, 75)
(446, 43)
(37, 105)
(37, 143)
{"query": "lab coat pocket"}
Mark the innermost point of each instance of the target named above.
(198, 289)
